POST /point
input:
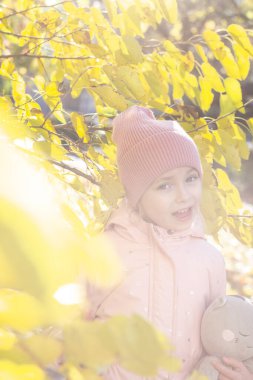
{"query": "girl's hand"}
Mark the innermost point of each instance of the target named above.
(232, 369)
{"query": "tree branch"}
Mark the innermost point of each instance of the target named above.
(239, 216)
(47, 38)
(4, 56)
(74, 170)
(30, 9)
(221, 117)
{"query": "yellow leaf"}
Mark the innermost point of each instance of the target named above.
(212, 75)
(226, 105)
(233, 89)
(42, 147)
(5, 104)
(240, 35)
(135, 20)
(101, 265)
(134, 52)
(7, 340)
(212, 39)
(243, 60)
(59, 116)
(191, 79)
(131, 80)
(241, 142)
(110, 151)
(129, 22)
(171, 364)
(120, 76)
(86, 343)
(214, 216)
(106, 111)
(201, 52)
(39, 81)
(168, 9)
(250, 124)
(7, 68)
(85, 374)
(57, 152)
(111, 97)
(188, 88)
(29, 371)
(23, 4)
(178, 89)
(206, 94)
(16, 238)
(46, 348)
(74, 373)
(80, 126)
(57, 75)
(171, 48)
(205, 144)
(228, 62)
(228, 147)
(18, 88)
(54, 138)
(111, 188)
(222, 53)
(233, 199)
(30, 311)
(137, 334)
(52, 89)
(97, 50)
(218, 154)
(48, 19)
(111, 7)
(197, 376)
(8, 370)
(188, 61)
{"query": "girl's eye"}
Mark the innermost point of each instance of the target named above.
(165, 186)
(192, 178)
(243, 334)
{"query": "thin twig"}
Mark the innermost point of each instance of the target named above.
(74, 170)
(4, 56)
(239, 216)
(30, 9)
(221, 117)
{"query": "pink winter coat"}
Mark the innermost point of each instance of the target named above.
(169, 280)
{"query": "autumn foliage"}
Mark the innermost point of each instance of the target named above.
(59, 172)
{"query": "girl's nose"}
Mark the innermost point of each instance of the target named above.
(182, 193)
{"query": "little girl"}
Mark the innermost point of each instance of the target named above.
(171, 272)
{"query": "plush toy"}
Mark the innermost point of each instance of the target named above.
(227, 330)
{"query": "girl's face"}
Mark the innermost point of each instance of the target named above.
(172, 200)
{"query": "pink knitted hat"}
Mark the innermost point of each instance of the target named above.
(147, 148)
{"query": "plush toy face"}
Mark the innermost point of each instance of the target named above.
(227, 328)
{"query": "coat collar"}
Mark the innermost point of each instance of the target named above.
(130, 224)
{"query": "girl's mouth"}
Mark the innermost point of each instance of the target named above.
(183, 215)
